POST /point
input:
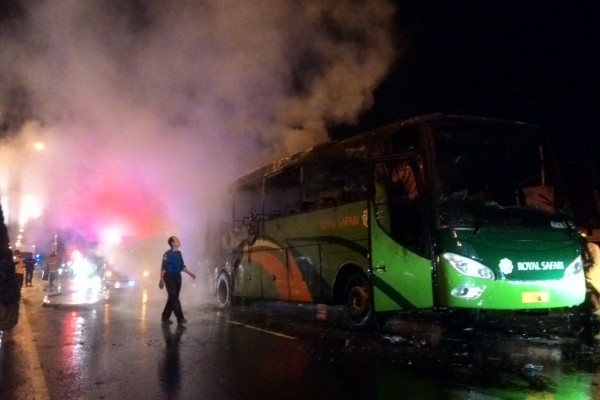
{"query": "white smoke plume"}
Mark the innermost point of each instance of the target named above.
(147, 109)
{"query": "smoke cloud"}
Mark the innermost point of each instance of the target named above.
(147, 109)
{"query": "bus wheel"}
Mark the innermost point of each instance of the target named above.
(224, 293)
(357, 301)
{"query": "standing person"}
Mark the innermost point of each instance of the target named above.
(29, 267)
(592, 275)
(19, 268)
(170, 277)
(52, 266)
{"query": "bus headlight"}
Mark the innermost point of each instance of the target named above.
(575, 268)
(468, 267)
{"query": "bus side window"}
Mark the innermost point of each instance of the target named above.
(404, 181)
(398, 206)
(334, 182)
(307, 205)
(282, 193)
(329, 198)
(247, 201)
(312, 183)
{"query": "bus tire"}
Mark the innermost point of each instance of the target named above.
(358, 301)
(224, 291)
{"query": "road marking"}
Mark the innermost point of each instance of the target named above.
(34, 372)
(262, 330)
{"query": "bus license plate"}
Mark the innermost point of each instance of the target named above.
(535, 297)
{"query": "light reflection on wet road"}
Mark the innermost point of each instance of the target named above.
(117, 348)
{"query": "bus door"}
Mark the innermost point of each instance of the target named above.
(401, 270)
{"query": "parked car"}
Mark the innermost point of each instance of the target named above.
(115, 279)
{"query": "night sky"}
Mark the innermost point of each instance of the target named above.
(534, 61)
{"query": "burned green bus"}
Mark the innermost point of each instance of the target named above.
(437, 212)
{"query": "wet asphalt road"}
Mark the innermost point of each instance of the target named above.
(78, 346)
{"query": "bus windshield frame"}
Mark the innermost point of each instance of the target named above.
(494, 176)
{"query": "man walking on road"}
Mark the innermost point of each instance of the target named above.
(170, 277)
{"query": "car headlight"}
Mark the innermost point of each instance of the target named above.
(469, 267)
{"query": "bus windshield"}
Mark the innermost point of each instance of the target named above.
(495, 177)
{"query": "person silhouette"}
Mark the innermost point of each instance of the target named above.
(170, 278)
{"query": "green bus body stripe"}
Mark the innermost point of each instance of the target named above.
(361, 250)
(379, 283)
(392, 293)
(316, 240)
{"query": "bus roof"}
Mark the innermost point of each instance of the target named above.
(357, 146)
